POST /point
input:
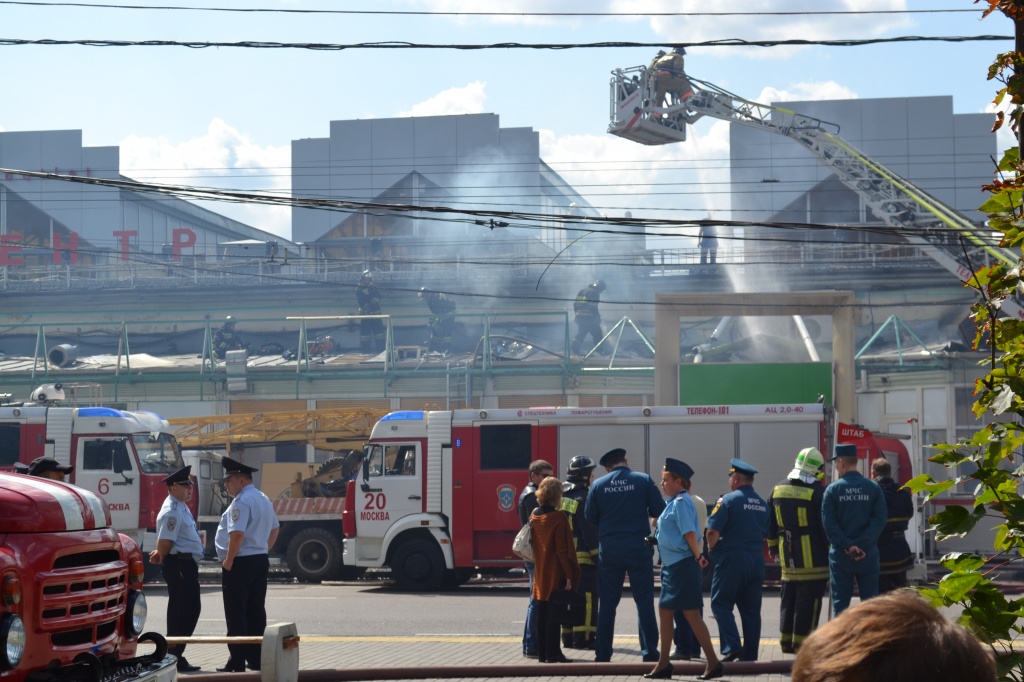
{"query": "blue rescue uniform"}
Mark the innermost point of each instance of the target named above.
(621, 504)
(853, 512)
(741, 519)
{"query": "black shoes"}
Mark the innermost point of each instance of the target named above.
(715, 672)
(556, 659)
(663, 674)
(678, 655)
(730, 657)
(529, 655)
(186, 667)
(232, 667)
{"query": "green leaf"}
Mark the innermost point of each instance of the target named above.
(955, 521)
(962, 561)
(955, 586)
(925, 483)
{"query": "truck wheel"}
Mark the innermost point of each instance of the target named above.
(417, 565)
(314, 554)
(456, 577)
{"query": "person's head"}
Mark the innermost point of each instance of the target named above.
(236, 476)
(809, 463)
(229, 322)
(549, 492)
(661, 53)
(679, 50)
(539, 470)
(613, 458)
(580, 470)
(48, 467)
(675, 477)
(367, 277)
(424, 293)
(880, 468)
(740, 474)
(896, 636)
(599, 286)
(845, 458)
(179, 484)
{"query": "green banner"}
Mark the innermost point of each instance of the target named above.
(755, 384)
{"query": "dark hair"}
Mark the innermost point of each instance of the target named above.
(881, 467)
(897, 636)
(539, 466)
(549, 492)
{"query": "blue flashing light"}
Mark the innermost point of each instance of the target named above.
(99, 412)
(404, 415)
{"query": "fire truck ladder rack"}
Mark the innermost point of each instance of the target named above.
(339, 429)
(939, 231)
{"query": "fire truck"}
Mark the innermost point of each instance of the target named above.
(71, 601)
(119, 455)
(436, 493)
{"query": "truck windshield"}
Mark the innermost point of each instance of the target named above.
(158, 453)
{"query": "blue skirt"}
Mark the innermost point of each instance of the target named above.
(681, 584)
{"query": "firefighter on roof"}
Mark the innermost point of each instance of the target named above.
(371, 331)
(442, 324)
(584, 537)
(588, 315)
(225, 339)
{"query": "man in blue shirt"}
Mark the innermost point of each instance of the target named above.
(247, 531)
(621, 504)
(853, 512)
(737, 530)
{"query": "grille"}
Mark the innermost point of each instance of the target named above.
(83, 597)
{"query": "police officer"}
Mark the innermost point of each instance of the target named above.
(538, 471)
(622, 504)
(44, 467)
(584, 536)
(797, 538)
(442, 325)
(371, 331)
(853, 513)
(247, 531)
(737, 529)
(178, 551)
(225, 339)
(894, 555)
(588, 315)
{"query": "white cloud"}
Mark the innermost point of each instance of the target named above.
(806, 92)
(223, 157)
(453, 101)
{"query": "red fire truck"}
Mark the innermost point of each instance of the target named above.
(71, 601)
(119, 455)
(435, 498)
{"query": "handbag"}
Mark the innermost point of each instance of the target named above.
(522, 546)
(568, 608)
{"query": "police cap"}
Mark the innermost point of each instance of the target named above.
(844, 450)
(231, 467)
(41, 465)
(679, 468)
(738, 466)
(179, 476)
(612, 457)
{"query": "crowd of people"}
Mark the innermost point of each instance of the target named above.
(849, 532)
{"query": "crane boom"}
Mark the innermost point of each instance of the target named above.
(337, 429)
(939, 231)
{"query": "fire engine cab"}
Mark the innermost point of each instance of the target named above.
(71, 601)
(436, 495)
(120, 456)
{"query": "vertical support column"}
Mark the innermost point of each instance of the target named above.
(666, 357)
(843, 366)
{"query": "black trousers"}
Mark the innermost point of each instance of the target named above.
(244, 590)
(548, 646)
(800, 609)
(181, 573)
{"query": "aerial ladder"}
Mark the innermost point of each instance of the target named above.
(939, 231)
(331, 429)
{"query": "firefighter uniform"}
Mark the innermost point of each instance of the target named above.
(442, 326)
(585, 539)
(621, 504)
(894, 555)
(588, 315)
(670, 79)
(371, 332)
(179, 566)
(796, 536)
(244, 586)
(853, 514)
(741, 520)
(225, 339)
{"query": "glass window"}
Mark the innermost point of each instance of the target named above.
(390, 460)
(505, 447)
(159, 453)
(10, 444)
(98, 455)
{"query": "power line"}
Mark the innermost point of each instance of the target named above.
(256, 10)
(401, 45)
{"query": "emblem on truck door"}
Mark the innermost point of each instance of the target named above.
(506, 497)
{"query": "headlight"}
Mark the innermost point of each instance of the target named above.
(135, 616)
(12, 641)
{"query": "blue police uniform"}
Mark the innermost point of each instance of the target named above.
(621, 505)
(180, 568)
(741, 519)
(245, 585)
(853, 512)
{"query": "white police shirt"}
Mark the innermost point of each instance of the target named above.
(175, 523)
(251, 512)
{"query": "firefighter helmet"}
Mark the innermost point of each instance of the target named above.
(809, 461)
(580, 468)
(679, 50)
(599, 285)
(367, 276)
(229, 321)
(424, 292)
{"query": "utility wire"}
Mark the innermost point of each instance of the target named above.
(401, 45)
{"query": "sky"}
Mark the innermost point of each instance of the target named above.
(225, 117)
